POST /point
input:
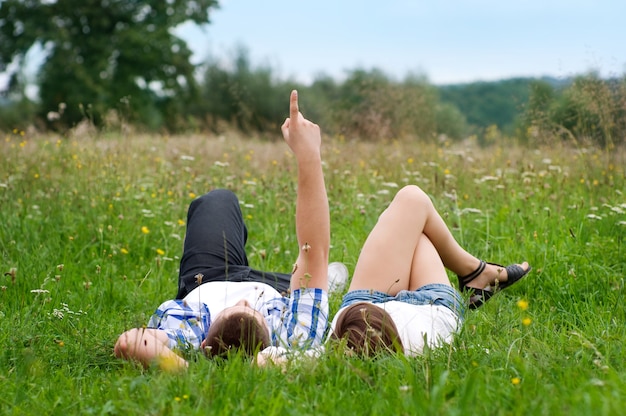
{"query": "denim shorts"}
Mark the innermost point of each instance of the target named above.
(432, 294)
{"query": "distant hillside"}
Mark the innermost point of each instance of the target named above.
(496, 102)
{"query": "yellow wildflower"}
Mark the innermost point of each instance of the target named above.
(145, 230)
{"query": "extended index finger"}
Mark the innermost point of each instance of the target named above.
(293, 105)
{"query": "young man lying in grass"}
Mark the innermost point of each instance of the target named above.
(224, 305)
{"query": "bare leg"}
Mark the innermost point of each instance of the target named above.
(386, 260)
(427, 267)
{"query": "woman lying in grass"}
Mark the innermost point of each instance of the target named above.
(400, 297)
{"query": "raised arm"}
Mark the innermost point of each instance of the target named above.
(312, 213)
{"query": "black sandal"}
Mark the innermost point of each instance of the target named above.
(478, 297)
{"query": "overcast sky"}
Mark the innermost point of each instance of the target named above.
(449, 41)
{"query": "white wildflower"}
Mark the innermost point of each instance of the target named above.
(470, 211)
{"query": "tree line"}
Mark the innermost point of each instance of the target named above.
(114, 63)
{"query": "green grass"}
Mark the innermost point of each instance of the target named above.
(71, 227)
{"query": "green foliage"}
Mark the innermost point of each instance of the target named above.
(372, 106)
(103, 55)
(17, 114)
(488, 103)
(240, 96)
(589, 110)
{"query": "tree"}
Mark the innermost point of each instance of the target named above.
(103, 54)
(241, 95)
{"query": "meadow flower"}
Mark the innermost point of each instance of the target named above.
(145, 230)
(192, 195)
(160, 252)
(522, 304)
(123, 250)
(199, 277)
(515, 381)
(470, 211)
(12, 272)
(526, 321)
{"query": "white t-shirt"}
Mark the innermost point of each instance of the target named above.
(221, 295)
(416, 323)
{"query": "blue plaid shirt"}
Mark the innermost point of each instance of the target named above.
(299, 321)
(186, 323)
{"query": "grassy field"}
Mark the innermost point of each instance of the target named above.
(91, 233)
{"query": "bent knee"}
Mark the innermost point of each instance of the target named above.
(413, 195)
(215, 197)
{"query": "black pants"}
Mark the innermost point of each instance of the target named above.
(215, 246)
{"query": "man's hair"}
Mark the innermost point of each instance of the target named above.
(240, 331)
(368, 330)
